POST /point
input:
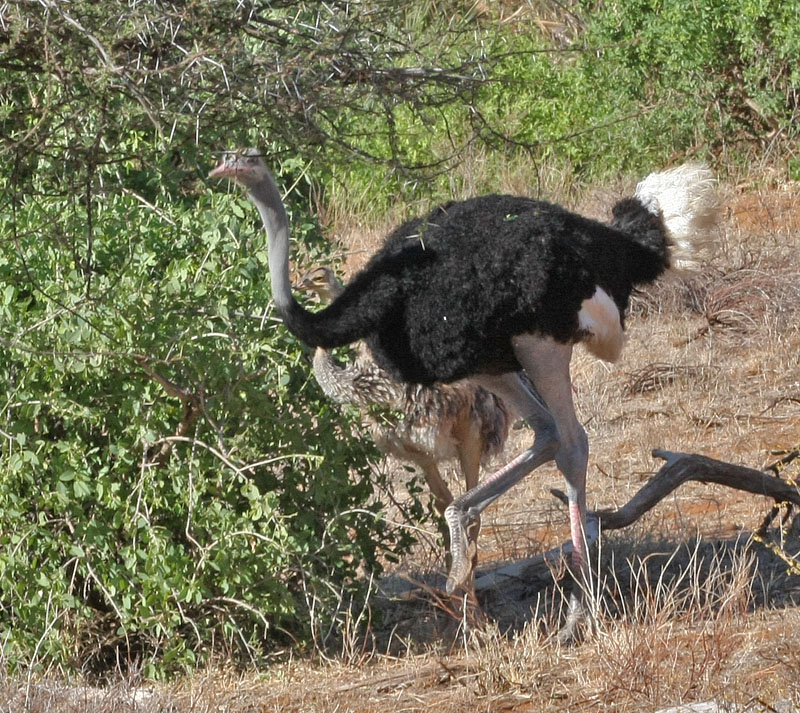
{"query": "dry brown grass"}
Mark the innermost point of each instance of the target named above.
(689, 607)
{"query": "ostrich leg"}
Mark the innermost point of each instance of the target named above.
(558, 436)
(547, 362)
(470, 447)
(466, 509)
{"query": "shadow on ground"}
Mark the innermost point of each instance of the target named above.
(414, 611)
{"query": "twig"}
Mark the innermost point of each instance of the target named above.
(192, 408)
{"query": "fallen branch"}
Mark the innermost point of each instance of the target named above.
(678, 469)
(683, 467)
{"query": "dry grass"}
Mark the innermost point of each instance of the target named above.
(688, 607)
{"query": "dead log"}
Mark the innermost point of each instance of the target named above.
(678, 469)
(683, 467)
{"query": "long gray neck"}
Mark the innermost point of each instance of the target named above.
(267, 198)
(337, 383)
(338, 324)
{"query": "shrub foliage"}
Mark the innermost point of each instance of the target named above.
(172, 478)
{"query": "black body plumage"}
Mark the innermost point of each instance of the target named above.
(446, 294)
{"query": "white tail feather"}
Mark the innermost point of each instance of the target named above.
(687, 201)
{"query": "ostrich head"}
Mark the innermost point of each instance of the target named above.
(245, 167)
(322, 282)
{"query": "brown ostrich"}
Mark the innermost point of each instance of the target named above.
(436, 423)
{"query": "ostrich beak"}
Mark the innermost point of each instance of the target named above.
(223, 170)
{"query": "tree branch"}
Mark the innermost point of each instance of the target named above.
(678, 469)
(683, 467)
(192, 408)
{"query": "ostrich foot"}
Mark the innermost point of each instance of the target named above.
(463, 548)
(572, 632)
(462, 606)
(579, 620)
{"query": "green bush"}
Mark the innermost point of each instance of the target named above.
(712, 73)
(626, 88)
(172, 482)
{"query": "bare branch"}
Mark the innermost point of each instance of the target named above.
(192, 408)
(683, 467)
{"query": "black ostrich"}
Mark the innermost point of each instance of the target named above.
(490, 286)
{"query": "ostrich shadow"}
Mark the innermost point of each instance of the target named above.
(632, 577)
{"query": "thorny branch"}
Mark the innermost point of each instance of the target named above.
(308, 69)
